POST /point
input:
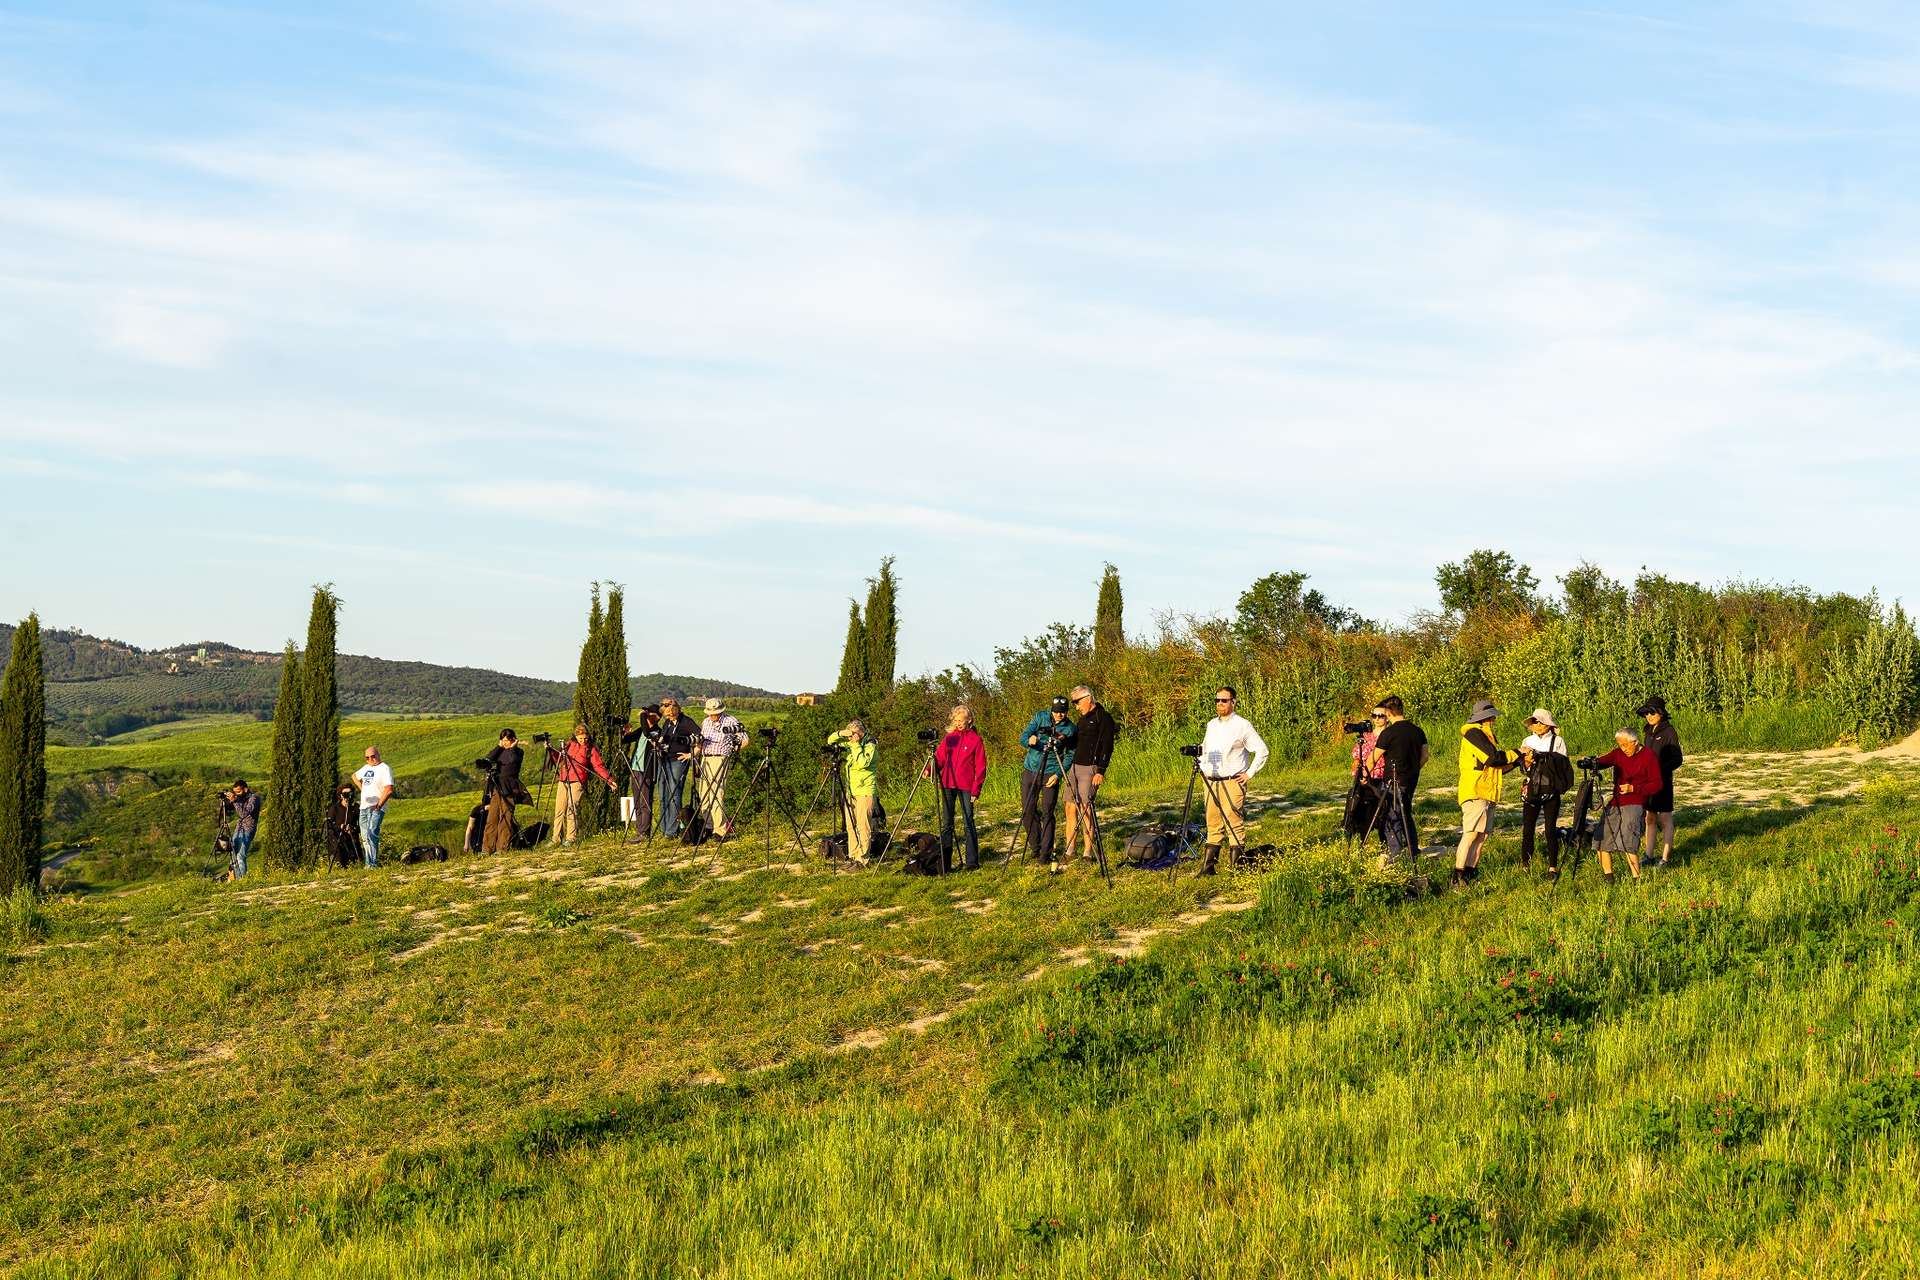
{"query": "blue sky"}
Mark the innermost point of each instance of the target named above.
(463, 305)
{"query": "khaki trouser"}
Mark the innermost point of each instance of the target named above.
(859, 826)
(713, 793)
(1226, 812)
(497, 835)
(566, 810)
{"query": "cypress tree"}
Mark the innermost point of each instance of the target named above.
(853, 657)
(283, 807)
(607, 702)
(883, 627)
(1109, 633)
(23, 760)
(319, 725)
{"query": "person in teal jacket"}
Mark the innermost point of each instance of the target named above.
(860, 766)
(1048, 739)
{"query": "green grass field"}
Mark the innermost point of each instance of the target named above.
(638, 1060)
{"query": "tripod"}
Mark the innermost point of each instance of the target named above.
(833, 778)
(1217, 792)
(765, 780)
(1093, 829)
(920, 775)
(1183, 847)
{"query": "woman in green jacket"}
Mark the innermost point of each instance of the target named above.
(860, 768)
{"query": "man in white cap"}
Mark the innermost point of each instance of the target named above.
(1546, 779)
(720, 736)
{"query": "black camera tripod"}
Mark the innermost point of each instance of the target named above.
(1023, 837)
(765, 781)
(920, 775)
(833, 779)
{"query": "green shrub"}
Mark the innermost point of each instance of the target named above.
(26, 923)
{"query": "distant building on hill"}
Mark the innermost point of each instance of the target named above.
(806, 699)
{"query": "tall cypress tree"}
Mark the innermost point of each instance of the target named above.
(319, 725)
(607, 701)
(1109, 633)
(284, 809)
(853, 657)
(883, 627)
(23, 760)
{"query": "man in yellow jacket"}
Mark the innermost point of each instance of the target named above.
(1483, 768)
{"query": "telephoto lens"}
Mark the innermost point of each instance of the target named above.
(1193, 750)
(929, 735)
(1358, 726)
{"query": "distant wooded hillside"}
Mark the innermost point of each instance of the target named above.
(97, 688)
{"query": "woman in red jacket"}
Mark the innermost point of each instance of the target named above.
(961, 758)
(1636, 779)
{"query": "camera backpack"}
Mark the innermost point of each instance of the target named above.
(923, 855)
(1151, 848)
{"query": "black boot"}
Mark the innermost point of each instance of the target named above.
(1459, 877)
(1210, 863)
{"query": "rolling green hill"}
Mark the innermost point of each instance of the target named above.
(618, 1060)
(102, 688)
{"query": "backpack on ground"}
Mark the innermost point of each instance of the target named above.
(923, 855)
(424, 853)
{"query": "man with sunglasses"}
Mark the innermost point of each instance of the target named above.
(376, 788)
(1230, 754)
(675, 738)
(1401, 746)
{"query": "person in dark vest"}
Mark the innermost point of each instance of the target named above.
(1661, 738)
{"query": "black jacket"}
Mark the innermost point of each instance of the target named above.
(1664, 740)
(678, 737)
(506, 760)
(1093, 739)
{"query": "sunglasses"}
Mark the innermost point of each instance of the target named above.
(1379, 715)
(1217, 701)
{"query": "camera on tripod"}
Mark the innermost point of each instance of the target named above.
(1192, 750)
(770, 733)
(1357, 726)
(929, 736)
(1589, 763)
(543, 737)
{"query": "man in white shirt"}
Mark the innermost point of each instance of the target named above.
(1230, 755)
(376, 788)
(1539, 799)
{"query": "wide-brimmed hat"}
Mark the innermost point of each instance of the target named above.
(1654, 704)
(715, 706)
(1543, 716)
(1482, 710)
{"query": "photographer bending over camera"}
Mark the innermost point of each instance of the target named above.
(1230, 754)
(644, 739)
(678, 738)
(720, 736)
(1636, 777)
(1661, 738)
(961, 759)
(244, 804)
(1049, 740)
(859, 765)
(573, 765)
(1483, 769)
(1093, 741)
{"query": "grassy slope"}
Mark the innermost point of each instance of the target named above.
(601, 1063)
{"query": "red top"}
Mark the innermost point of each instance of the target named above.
(574, 762)
(1641, 769)
(962, 761)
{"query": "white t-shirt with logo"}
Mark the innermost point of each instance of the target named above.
(373, 779)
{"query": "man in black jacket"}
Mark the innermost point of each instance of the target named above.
(493, 816)
(1664, 741)
(1093, 739)
(640, 741)
(677, 738)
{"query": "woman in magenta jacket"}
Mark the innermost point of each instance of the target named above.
(961, 759)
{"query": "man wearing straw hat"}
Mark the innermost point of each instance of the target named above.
(720, 736)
